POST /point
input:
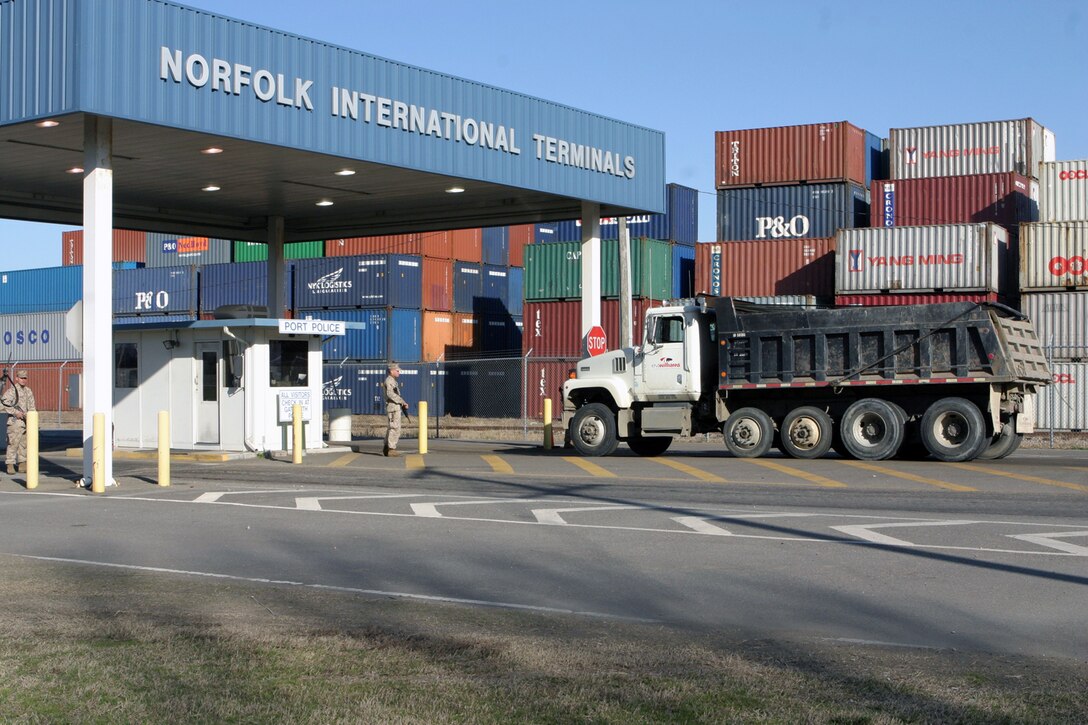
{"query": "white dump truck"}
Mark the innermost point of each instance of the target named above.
(953, 381)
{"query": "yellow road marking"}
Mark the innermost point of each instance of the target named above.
(810, 477)
(589, 467)
(1030, 479)
(498, 465)
(909, 476)
(414, 461)
(344, 460)
(690, 470)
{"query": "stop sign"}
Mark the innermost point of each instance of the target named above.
(596, 341)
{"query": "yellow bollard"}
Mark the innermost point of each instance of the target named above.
(98, 453)
(296, 433)
(422, 426)
(164, 448)
(547, 424)
(32, 449)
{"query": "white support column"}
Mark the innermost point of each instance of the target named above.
(98, 362)
(591, 268)
(276, 272)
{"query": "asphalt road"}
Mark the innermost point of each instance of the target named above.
(986, 556)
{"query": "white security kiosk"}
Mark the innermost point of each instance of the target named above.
(228, 385)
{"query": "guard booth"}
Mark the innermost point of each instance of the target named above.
(228, 385)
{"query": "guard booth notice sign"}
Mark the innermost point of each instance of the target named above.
(289, 398)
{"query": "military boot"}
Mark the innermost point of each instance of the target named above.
(22, 467)
(393, 453)
(11, 469)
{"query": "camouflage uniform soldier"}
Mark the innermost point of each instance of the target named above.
(394, 404)
(17, 401)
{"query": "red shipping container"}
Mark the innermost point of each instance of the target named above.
(128, 246)
(554, 329)
(544, 379)
(52, 386)
(467, 245)
(425, 244)
(520, 236)
(437, 335)
(818, 152)
(1005, 199)
(908, 299)
(437, 284)
(766, 268)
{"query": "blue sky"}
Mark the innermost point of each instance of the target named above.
(690, 68)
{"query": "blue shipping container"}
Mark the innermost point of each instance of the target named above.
(468, 286)
(683, 270)
(179, 250)
(516, 296)
(155, 290)
(371, 280)
(876, 158)
(241, 283)
(151, 319)
(803, 211)
(495, 244)
(679, 224)
(359, 387)
(51, 289)
(377, 339)
(496, 290)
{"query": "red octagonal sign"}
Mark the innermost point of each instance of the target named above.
(596, 341)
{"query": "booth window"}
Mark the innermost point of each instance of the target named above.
(289, 363)
(125, 364)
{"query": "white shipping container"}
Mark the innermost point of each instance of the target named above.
(1060, 320)
(1064, 404)
(948, 258)
(1054, 255)
(36, 337)
(990, 147)
(1063, 191)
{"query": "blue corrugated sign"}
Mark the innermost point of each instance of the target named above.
(716, 270)
(886, 199)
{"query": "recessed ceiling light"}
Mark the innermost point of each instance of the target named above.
(346, 172)
(324, 202)
(74, 170)
(212, 150)
(47, 124)
(455, 190)
(211, 187)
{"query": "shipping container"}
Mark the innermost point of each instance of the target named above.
(466, 336)
(496, 291)
(912, 299)
(37, 337)
(554, 329)
(946, 258)
(359, 387)
(500, 335)
(521, 236)
(437, 284)
(766, 268)
(241, 283)
(790, 301)
(468, 287)
(423, 244)
(485, 389)
(989, 147)
(805, 211)
(680, 222)
(49, 289)
(516, 304)
(258, 251)
(154, 318)
(683, 270)
(466, 245)
(1060, 320)
(1064, 405)
(128, 246)
(495, 246)
(374, 280)
(544, 380)
(437, 335)
(1005, 199)
(156, 291)
(813, 153)
(1063, 191)
(554, 271)
(1054, 256)
(56, 385)
(178, 250)
(386, 334)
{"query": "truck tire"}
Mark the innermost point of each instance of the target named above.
(954, 430)
(806, 432)
(1003, 444)
(748, 433)
(872, 429)
(593, 430)
(649, 446)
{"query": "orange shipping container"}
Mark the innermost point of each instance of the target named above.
(817, 152)
(128, 246)
(468, 245)
(520, 236)
(426, 244)
(56, 386)
(466, 332)
(437, 284)
(437, 335)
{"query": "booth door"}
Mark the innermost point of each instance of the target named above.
(208, 393)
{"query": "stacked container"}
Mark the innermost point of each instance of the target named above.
(178, 250)
(766, 268)
(128, 246)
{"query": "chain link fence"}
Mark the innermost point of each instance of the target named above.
(1063, 405)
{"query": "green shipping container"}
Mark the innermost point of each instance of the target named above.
(258, 251)
(554, 271)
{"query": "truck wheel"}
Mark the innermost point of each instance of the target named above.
(748, 433)
(593, 430)
(1003, 444)
(806, 432)
(649, 446)
(954, 430)
(872, 429)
